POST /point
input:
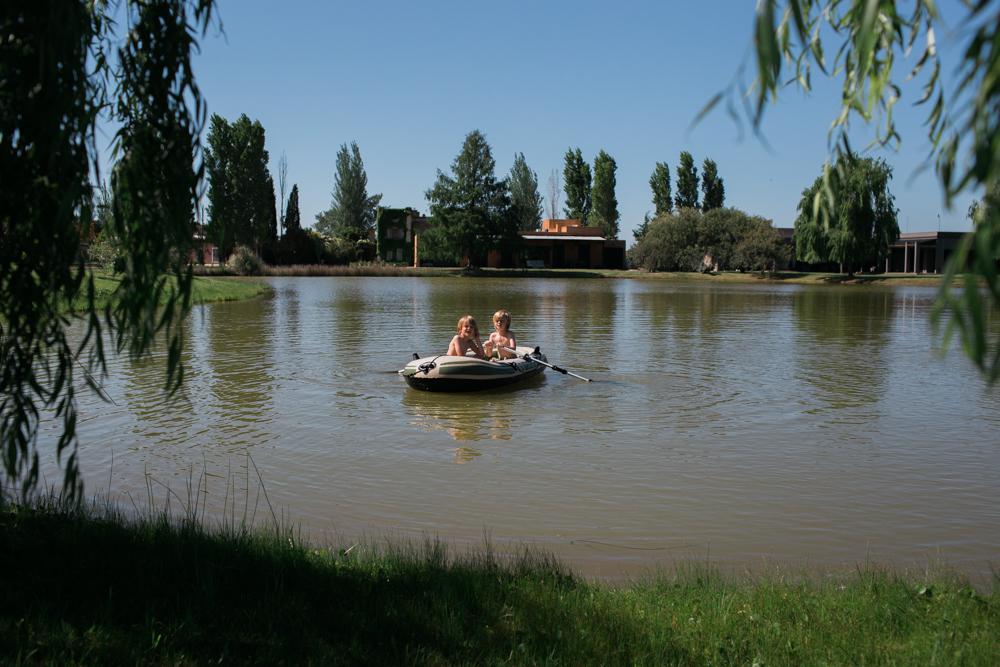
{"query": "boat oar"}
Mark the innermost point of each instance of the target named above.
(528, 357)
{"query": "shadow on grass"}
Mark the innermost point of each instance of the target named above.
(78, 589)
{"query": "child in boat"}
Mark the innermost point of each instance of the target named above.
(466, 339)
(502, 337)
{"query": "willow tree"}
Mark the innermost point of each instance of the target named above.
(62, 65)
(885, 51)
(860, 226)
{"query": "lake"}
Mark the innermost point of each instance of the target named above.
(756, 424)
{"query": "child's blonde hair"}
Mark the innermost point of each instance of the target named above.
(500, 316)
(471, 321)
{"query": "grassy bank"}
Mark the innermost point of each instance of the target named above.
(80, 590)
(204, 289)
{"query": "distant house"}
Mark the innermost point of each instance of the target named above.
(565, 244)
(912, 252)
(203, 251)
(395, 229)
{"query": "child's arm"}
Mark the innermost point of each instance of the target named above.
(453, 348)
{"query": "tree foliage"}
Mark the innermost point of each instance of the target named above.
(872, 42)
(576, 185)
(526, 202)
(604, 203)
(241, 199)
(352, 212)
(687, 182)
(471, 205)
(721, 239)
(293, 219)
(862, 224)
(60, 64)
(713, 190)
(659, 182)
(670, 243)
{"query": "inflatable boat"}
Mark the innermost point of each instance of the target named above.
(450, 373)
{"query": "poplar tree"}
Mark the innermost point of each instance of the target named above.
(352, 211)
(576, 185)
(712, 188)
(659, 182)
(604, 211)
(526, 202)
(687, 182)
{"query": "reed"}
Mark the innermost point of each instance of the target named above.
(100, 586)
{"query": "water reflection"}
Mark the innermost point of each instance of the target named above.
(470, 417)
(843, 351)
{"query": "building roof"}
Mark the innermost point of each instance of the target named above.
(560, 237)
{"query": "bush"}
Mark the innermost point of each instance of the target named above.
(670, 244)
(245, 262)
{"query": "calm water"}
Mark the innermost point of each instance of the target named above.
(748, 424)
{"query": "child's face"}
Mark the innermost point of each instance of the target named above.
(500, 324)
(467, 330)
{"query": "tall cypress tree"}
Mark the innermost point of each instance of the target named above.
(293, 219)
(526, 202)
(604, 213)
(576, 185)
(712, 188)
(659, 182)
(687, 182)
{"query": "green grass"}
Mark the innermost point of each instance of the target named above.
(204, 289)
(80, 589)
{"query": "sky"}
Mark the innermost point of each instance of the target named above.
(408, 81)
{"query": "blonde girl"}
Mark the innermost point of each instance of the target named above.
(466, 339)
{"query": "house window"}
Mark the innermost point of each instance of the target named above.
(394, 233)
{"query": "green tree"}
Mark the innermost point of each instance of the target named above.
(58, 71)
(576, 185)
(472, 206)
(241, 201)
(860, 226)
(872, 40)
(639, 232)
(659, 182)
(352, 212)
(526, 202)
(604, 210)
(687, 182)
(670, 243)
(712, 188)
(293, 219)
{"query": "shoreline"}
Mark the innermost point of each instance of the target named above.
(728, 277)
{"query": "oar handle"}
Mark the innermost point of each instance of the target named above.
(528, 357)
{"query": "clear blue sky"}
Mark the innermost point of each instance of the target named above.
(408, 81)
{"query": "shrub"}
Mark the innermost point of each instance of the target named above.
(245, 262)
